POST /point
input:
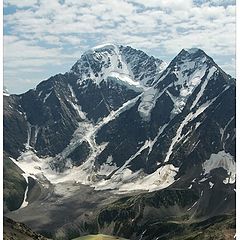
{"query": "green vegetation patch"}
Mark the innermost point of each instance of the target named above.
(99, 237)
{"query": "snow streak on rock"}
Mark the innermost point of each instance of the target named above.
(191, 116)
(40, 168)
(25, 203)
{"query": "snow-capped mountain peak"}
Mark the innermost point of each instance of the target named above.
(108, 61)
(117, 122)
(192, 50)
(191, 59)
(105, 46)
(116, 104)
(101, 63)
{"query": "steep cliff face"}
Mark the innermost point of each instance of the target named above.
(14, 185)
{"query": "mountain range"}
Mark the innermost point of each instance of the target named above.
(124, 144)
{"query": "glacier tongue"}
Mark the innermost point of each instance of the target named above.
(148, 101)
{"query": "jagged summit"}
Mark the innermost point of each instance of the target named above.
(105, 46)
(189, 64)
(110, 61)
(192, 50)
(191, 59)
(191, 55)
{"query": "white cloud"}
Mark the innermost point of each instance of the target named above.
(223, 2)
(169, 4)
(73, 40)
(15, 48)
(231, 10)
(51, 32)
(20, 3)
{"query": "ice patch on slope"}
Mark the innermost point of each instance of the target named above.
(29, 128)
(223, 132)
(126, 180)
(203, 86)
(161, 178)
(178, 137)
(32, 135)
(107, 168)
(191, 116)
(147, 103)
(75, 106)
(125, 79)
(192, 206)
(221, 160)
(187, 85)
(211, 184)
(46, 97)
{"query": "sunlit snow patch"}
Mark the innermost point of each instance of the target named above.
(126, 180)
(148, 101)
(222, 160)
(25, 203)
(161, 178)
(211, 184)
(103, 46)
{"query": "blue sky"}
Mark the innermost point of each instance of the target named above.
(45, 37)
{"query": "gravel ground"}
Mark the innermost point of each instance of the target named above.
(61, 204)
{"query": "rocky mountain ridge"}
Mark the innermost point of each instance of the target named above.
(126, 122)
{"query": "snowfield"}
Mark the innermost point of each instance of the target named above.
(222, 160)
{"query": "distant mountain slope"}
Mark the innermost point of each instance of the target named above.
(18, 231)
(165, 214)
